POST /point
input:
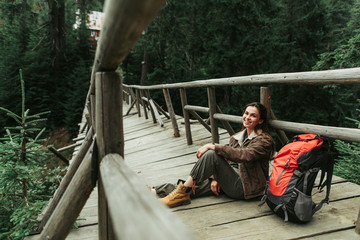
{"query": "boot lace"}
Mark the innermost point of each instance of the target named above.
(173, 193)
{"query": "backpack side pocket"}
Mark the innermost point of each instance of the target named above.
(303, 206)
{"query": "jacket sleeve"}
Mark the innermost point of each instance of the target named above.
(259, 147)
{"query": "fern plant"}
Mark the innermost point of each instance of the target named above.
(26, 184)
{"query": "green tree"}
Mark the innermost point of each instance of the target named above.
(348, 161)
(26, 184)
(56, 80)
(343, 98)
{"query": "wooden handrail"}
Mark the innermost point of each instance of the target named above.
(346, 134)
(127, 196)
(339, 76)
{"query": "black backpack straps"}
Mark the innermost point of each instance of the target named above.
(321, 184)
(286, 214)
(307, 176)
(283, 207)
(329, 173)
(263, 199)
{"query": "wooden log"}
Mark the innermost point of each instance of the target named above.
(339, 76)
(144, 104)
(200, 120)
(265, 99)
(265, 96)
(132, 105)
(228, 117)
(197, 108)
(156, 113)
(345, 134)
(72, 146)
(71, 203)
(226, 124)
(171, 112)
(109, 134)
(147, 93)
(357, 228)
(59, 155)
(79, 137)
(138, 99)
(83, 127)
(280, 134)
(135, 211)
(186, 116)
(65, 182)
(92, 111)
(124, 23)
(212, 111)
(160, 109)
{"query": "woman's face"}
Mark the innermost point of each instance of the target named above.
(251, 118)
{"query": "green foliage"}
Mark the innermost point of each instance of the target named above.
(192, 40)
(348, 162)
(26, 184)
(343, 98)
(25, 43)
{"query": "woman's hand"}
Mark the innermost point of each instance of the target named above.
(215, 187)
(203, 149)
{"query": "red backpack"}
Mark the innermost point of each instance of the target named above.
(294, 171)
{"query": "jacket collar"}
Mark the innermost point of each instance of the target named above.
(241, 135)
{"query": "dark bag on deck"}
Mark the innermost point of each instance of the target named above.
(288, 192)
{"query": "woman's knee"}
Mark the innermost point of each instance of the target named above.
(210, 155)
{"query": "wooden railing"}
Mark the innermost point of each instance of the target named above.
(99, 161)
(340, 76)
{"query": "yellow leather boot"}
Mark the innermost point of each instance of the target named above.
(177, 197)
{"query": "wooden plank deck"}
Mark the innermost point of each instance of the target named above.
(158, 157)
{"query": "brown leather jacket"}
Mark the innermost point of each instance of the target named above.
(253, 158)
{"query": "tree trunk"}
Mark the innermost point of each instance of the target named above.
(57, 32)
(145, 68)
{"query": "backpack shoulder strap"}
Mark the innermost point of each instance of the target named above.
(329, 173)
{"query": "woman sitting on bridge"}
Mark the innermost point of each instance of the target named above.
(239, 169)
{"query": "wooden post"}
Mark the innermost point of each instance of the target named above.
(109, 135)
(226, 123)
(138, 99)
(59, 155)
(132, 105)
(159, 108)
(65, 182)
(156, 113)
(171, 112)
(265, 96)
(92, 108)
(147, 93)
(144, 104)
(212, 111)
(186, 116)
(357, 227)
(265, 99)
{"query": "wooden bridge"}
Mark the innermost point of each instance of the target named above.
(156, 156)
(109, 196)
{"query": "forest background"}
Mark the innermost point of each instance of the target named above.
(189, 40)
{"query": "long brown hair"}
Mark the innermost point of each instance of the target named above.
(263, 116)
